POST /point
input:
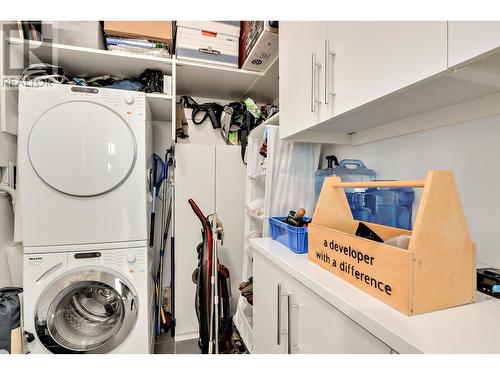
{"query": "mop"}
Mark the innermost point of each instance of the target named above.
(166, 216)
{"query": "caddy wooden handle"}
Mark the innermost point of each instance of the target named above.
(381, 184)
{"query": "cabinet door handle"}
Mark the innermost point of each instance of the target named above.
(314, 66)
(289, 324)
(328, 56)
(278, 315)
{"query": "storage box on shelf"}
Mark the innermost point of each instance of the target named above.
(436, 272)
(75, 33)
(161, 31)
(215, 42)
(294, 238)
(258, 44)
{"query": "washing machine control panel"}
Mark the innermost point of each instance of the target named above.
(127, 261)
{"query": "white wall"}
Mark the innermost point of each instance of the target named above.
(470, 149)
(8, 149)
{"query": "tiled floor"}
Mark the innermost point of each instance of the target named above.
(165, 344)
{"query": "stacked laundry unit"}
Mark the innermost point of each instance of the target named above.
(83, 190)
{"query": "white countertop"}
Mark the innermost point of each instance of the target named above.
(472, 328)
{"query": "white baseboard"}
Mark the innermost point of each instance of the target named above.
(186, 336)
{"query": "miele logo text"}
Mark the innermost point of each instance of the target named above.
(35, 258)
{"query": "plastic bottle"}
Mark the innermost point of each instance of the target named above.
(357, 204)
(392, 207)
(321, 174)
(354, 170)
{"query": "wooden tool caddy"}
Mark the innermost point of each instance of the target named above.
(436, 272)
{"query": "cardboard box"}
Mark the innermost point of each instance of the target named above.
(74, 33)
(158, 31)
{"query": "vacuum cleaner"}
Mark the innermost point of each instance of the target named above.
(213, 288)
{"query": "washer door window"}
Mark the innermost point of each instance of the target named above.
(91, 316)
(82, 149)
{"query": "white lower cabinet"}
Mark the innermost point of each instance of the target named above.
(290, 318)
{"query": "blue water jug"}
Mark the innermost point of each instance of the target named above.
(348, 170)
(354, 170)
(321, 174)
(358, 208)
(392, 207)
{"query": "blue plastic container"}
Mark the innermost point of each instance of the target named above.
(294, 238)
(392, 207)
(348, 170)
(358, 208)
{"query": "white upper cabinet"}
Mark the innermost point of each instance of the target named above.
(330, 68)
(301, 82)
(374, 59)
(469, 39)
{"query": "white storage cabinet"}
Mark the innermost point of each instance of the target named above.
(368, 60)
(330, 68)
(289, 318)
(301, 71)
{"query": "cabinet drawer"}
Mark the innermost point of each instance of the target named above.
(305, 323)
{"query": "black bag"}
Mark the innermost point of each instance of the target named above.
(248, 123)
(10, 318)
(211, 110)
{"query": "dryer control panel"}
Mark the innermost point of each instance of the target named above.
(122, 101)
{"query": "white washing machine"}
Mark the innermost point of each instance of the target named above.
(82, 156)
(89, 302)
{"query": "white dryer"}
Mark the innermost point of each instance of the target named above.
(89, 302)
(82, 156)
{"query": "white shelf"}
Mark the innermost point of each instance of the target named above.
(258, 177)
(193, 78)
(255, 217)
(273, 120)
(266, 88)
(243, 320)
(161, 106)
(213, 81)
(88, 62)
(219, 81)
(259, 130)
